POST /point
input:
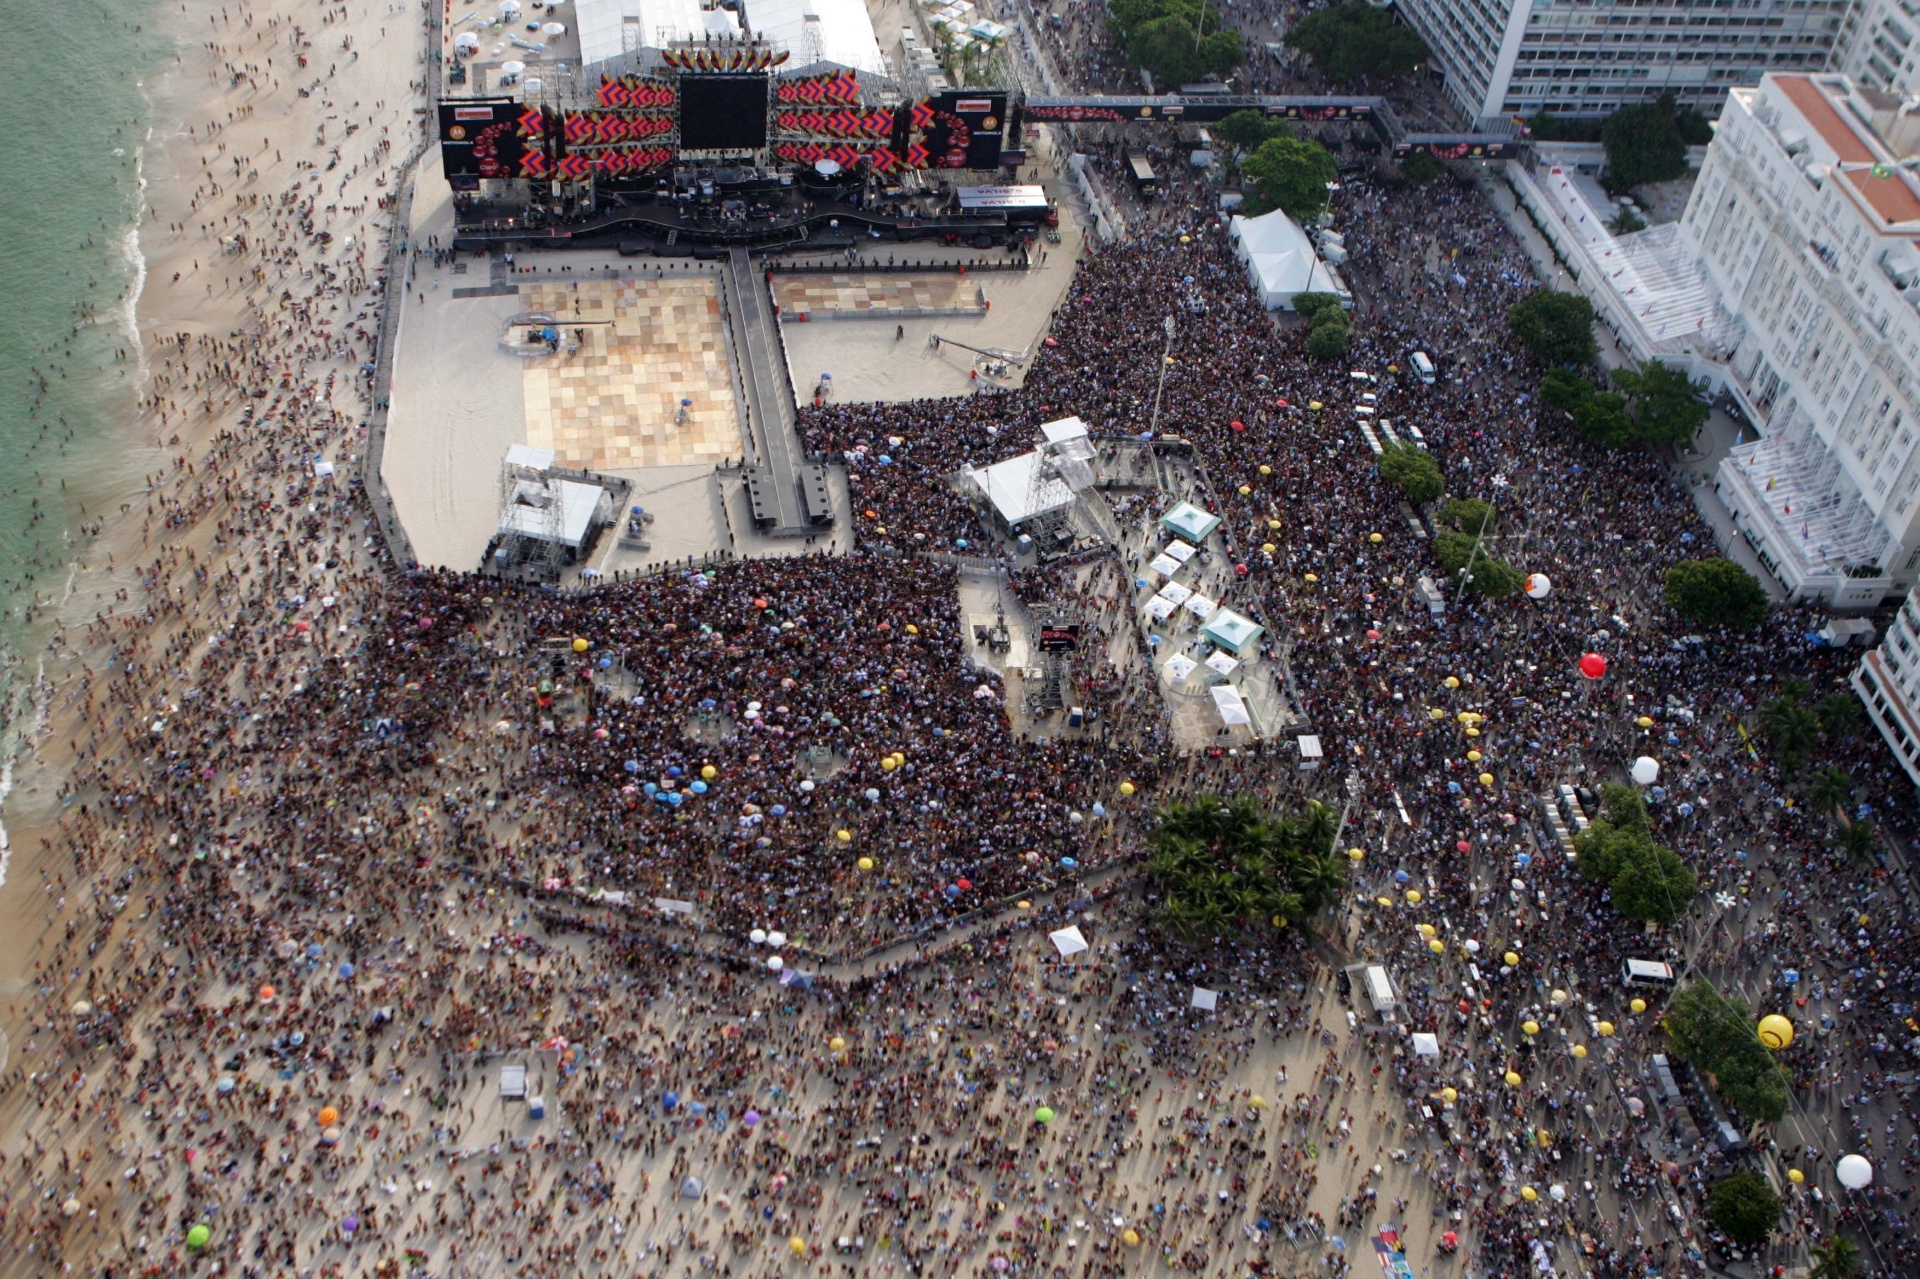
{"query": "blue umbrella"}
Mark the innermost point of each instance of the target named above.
(669, 1099)
(346, 970)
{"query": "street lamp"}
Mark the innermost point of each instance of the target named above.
(1466, 570)
(1166, 358)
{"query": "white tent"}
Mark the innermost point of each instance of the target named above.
(1161, 609)
(1281, 261)
(1204, 998)
(1012, 488)
(1068, 941)
(1223, 664)
(1201, 606)
(1179, 666)
(1176, 594)
(1232, 707)
(1425, 1045)
(1165, 565)
(1179, 551)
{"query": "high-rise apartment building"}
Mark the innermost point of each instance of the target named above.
(1579, 57)
(1879, 45)
(1805, 217)
(1888, 681)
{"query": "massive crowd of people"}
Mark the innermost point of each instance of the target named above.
(343, 841)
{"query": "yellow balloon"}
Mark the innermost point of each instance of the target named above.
(1473, 757)
(580, 645)
(1796, 1176)
(1131, 1237)
(1529, 1194)
(1605, 1028)
(708, 773)
(1638, 1005)
(1437, 946)
(1314, 405)
(1436, 713)
(1473, 732)
(1776, 1032)
(1413, 897)
(1580, 1050)
(1355, 854)
(1024, 905)
(1486, 779)
(1126, 788)
(1384, 901)
(865, 863)
(1513, 1078)
(1426, 930)
(837, 1044)
(1265, 469)
(1273, 526)
(1510, 959)
(1558, 996)
(1645, 721)
(1313, 577)
(1449, 1096)
(1258, 1102)
(888, 764)
(1244, 490)
(1268, 548)
(1376, 538)
(1529, 1027)
(1452, 681)
(844, 836)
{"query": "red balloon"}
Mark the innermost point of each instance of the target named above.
(1463, 847)
(1240, 569)
(965, 884)
(1373, 635)
(1281, 403)
(1593, 666)
(1237, 425)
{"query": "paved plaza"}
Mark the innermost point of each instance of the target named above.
(877, 296)
(645, 345)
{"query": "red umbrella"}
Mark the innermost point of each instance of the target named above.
(1593, 666)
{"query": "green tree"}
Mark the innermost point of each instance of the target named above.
(1837, 1258)
(1716, 1034)
(1566, 390)
(1856, 840)
(1289, 174)
(1413, 471)
(1653, 884)
(1643, 144)
(1557, 327)
(1352, 40)
(1311, 304)
(1327, 341)
(1791, 728)
(1830, 789)
(1467, 515)
(1225, 865)
(1666, 405)
(1420, 167)
(1624, 806)
(1603, 420)
(1744, 1207)
(1839, 714)
(1186, 46)
(1244, 131)
(1626, 222)
(1716, 592)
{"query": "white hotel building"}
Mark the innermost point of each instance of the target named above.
(1804, 219)
(1578, 57)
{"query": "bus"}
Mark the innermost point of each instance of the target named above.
(1145, 181)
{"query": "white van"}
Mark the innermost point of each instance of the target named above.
(1423, 368)
(1647, 972)
(1413, 435)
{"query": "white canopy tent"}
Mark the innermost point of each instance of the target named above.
(1223, 664)
(1011, 487)
(1165, 565)
(1425, 1045)
(1068, 941)
(1179, 666)
(1232, 707)
(1204, 999)
(1176, 594)
(1161, 609)
(1281, 261)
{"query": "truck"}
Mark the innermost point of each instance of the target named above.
(1145, 180)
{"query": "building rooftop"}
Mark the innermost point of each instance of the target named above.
(1856, 134)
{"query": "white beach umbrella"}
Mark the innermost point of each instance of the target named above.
(553, 29)
(512, 68)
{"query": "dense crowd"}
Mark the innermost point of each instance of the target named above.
(343, 841)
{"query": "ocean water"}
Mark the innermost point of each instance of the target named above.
(75, 114)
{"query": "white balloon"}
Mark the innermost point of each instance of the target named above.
(1854, 1172)
(1539, 586)
(757, 936)
(1557, 1193)
(776, 939)
(776, 963)
(873, 795)
(1645, 770)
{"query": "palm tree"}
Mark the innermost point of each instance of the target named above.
(1830, 790)
(1790, 729)
(1318, 881)
(1837, 1258)
(1839, 714)
(1856, 840)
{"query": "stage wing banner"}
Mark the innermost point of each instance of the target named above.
(480, 140)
